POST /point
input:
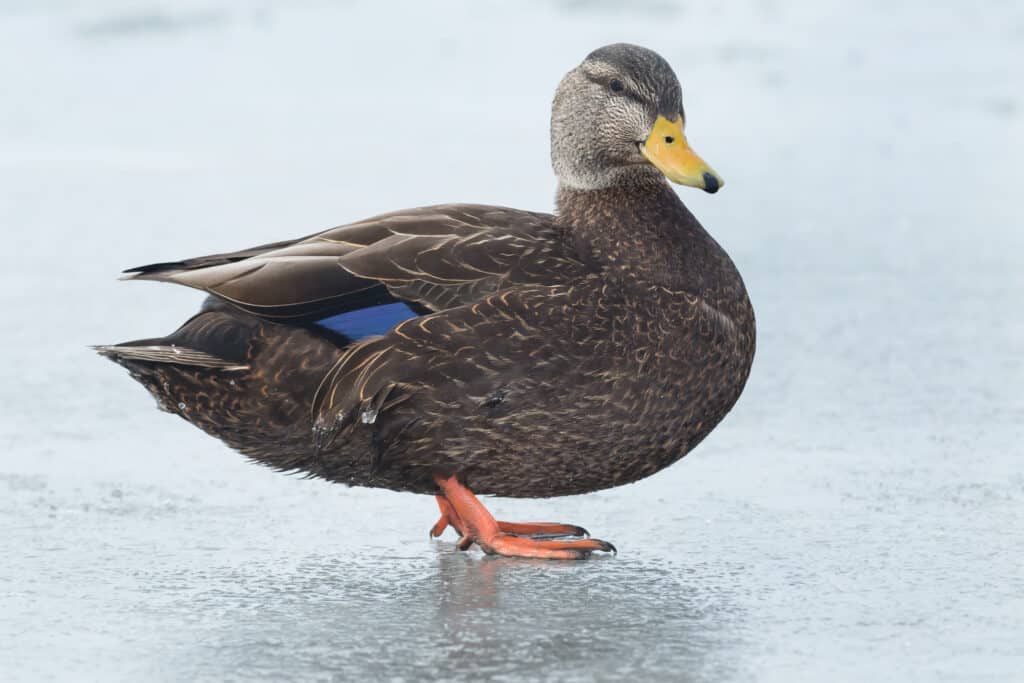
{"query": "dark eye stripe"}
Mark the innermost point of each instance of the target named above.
(625, 92)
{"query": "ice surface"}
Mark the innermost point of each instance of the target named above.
(859, 516)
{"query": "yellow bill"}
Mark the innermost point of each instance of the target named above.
(667, 149)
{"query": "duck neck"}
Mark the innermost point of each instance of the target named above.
(640, 234)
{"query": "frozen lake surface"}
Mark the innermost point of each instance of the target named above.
(858, 517)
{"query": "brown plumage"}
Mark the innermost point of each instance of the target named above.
(551, 354)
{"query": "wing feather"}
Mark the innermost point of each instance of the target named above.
(437, 256)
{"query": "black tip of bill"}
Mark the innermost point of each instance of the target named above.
(711, 184)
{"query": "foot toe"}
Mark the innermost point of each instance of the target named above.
(542, 530)
(439, 527)
(519, 546)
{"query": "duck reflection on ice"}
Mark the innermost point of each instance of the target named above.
(449, 615)
(619, 616)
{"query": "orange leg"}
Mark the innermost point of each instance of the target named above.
(532, 529)
(450, 517)
(462, 509)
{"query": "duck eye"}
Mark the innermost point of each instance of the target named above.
(616, 85)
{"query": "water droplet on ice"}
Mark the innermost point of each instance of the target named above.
(182, 406)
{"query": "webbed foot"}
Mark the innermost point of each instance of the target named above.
(463, 511)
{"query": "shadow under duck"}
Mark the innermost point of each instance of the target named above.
(459, 348)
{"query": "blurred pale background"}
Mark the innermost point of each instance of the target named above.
(859, 516)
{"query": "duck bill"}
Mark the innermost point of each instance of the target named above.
(666, 148)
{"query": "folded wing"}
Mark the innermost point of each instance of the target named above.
(434, 258)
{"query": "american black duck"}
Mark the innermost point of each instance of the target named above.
(461, 349)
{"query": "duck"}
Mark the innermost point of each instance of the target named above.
(465, 350)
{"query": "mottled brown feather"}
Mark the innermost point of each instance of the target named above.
(564, 355)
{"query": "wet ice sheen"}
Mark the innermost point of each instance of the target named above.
(859, 516)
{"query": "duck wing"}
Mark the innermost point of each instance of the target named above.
(435, 257)
(458, 360)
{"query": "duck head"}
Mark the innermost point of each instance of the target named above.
(617, 119)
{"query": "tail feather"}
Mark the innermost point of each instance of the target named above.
(176, 355)
(245, 381)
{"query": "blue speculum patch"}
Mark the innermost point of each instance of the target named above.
(368, 322)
